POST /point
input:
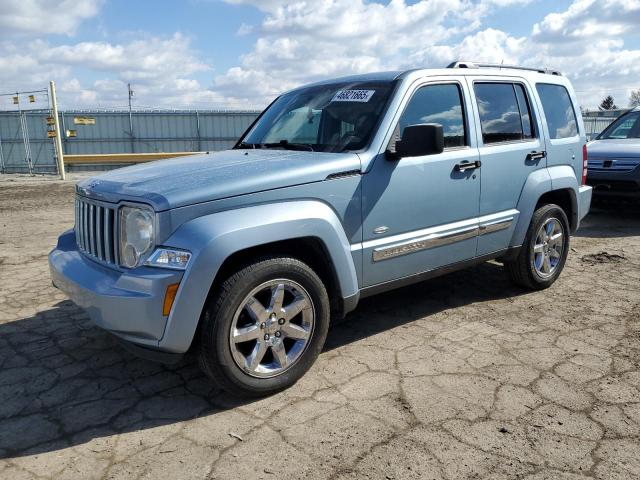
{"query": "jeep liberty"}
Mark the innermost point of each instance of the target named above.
(339, 190)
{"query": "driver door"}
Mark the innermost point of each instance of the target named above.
(420, 213)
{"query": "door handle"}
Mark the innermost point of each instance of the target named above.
(537, 156)
(466, 165)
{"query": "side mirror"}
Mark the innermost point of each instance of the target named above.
(419, 140)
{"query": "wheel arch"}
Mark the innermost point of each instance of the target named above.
(307, 230)
(548, 185)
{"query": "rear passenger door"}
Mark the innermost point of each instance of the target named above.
(511, 148)
(564, 145)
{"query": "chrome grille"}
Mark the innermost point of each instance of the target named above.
(616, 164)
(96, 232)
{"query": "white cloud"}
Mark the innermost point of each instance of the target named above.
(300, 41)
(587, 19)
(304, 40)
(142, 60)
(160, 68)
(38, 17)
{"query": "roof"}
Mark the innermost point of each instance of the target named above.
(454, 69)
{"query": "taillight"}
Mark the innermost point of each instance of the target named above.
(584, 164)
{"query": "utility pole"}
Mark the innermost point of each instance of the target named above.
(56, 124)
(130, 118)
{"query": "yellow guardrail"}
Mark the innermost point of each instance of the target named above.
(103, 158)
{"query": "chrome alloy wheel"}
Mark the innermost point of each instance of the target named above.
(548, 247)
(272, 328)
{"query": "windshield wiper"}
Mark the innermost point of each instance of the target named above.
(247, 145)
(287, 145)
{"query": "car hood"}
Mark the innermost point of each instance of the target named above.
(181, 181)
(614, 148)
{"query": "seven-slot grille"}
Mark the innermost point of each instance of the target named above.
(96, 233)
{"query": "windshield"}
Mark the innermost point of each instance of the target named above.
(324, 118)
(627, 126)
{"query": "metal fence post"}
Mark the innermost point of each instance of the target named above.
(56, 123)
(1, 156)
(198, 130)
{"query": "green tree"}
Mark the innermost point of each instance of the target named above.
(634, 98)
(608, 103)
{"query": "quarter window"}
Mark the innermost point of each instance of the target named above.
(440, 104)
(558, 110)
(505, 113)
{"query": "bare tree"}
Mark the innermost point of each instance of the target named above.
(634, 98)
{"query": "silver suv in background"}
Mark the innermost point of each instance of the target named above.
(614, 158)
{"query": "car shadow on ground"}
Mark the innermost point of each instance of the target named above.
(611, 219)
(64, 382)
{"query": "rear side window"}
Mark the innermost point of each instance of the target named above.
(438, 104)
(558, 109)
(505, 113)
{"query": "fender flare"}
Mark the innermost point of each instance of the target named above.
(211, 239)
(563, 177)
(539, 182)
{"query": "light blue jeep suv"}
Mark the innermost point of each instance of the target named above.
(339, 190)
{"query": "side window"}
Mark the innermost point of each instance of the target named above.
(438, 104)
(558, 109)
(505, 114)
(626, 127)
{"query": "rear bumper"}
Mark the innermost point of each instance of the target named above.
(127, 304)
(585, 193)
(615, 184)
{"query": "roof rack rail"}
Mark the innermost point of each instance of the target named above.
(499, 65)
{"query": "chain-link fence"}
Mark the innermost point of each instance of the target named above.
(26, 137)
(595, 122)
(111, 132)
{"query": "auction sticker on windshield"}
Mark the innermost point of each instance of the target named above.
(353, 96)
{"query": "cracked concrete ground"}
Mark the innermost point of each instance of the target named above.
(460, 377)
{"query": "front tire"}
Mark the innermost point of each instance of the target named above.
(264, 327)
(544, 251)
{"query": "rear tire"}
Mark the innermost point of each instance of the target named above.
(544, 251)
(264, 327)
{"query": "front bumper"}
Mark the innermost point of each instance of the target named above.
(615, 183)
(126, 303)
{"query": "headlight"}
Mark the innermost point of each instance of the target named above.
(169, 258)
(136, 235)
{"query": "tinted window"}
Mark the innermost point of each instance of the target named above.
(438, 104)
(525, 111)
(627, 126)
(558, 109)
(499, 112)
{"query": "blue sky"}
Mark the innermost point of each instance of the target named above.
(241, 53)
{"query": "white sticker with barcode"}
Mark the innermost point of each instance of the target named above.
(353, 96)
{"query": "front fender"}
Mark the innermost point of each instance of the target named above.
(213, 238)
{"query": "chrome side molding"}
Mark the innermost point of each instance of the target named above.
(424, 243)
(411, 242)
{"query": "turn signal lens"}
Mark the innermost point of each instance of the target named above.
(169, 297)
